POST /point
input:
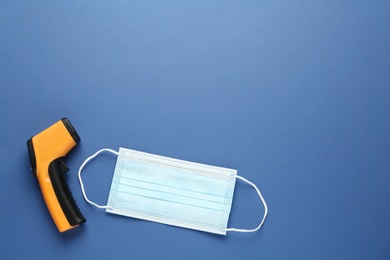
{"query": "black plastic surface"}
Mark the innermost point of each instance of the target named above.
(71, 129)
(64, 195)
(32, 157)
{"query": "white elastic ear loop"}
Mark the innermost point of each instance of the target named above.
(262, 200)
(81, 181)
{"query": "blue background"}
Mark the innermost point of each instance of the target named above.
(293, 94)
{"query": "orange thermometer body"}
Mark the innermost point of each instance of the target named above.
(47, 151)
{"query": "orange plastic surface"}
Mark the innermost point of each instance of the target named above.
(50, 144)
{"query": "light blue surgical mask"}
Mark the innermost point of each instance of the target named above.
(172, 191)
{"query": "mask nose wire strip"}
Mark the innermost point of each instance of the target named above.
(81, 181)
(262, 200)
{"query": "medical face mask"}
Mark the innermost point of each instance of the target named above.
(171, 191)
